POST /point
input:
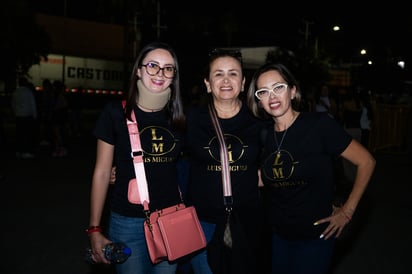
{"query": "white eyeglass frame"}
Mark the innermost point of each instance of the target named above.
(277, 90)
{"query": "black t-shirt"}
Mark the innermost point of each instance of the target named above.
(205, 191)
(302, 181)
(161, 146)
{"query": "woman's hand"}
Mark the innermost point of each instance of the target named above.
(113, 176)
(337, 221)
(98, 241)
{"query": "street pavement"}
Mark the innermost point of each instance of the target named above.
(45, 209)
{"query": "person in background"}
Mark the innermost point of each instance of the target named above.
(60, 117)
(298, 169)
(23, 103)
(154, 96)
(366, 118)
(224, 81)
(325, 103)
(3, 151)
(45, 103)
(76, 102)
(352, 110)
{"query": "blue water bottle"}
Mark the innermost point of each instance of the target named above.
(115, 252)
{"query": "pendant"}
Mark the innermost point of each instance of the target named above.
(279, 145)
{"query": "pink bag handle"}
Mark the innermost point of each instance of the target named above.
(138, 163)
(227, 186)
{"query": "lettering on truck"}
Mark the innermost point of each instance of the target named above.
(93, 73)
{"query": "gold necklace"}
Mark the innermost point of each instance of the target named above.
(279, 145)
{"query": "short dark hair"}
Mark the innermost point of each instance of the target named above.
(221, 52)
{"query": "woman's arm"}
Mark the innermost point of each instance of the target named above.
(100, 185)
(365, 163)
(341, 216)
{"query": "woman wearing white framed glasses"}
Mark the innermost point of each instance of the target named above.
(298, 170)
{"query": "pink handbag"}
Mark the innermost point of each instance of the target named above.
(172, 232)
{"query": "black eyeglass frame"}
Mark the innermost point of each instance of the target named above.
(159, 68)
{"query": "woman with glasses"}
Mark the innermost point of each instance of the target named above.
(224, 82)
(154, 96)
(298, 170)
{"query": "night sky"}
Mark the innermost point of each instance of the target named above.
(380, 28)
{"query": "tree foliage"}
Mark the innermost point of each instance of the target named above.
(309, 69)
(24, 42)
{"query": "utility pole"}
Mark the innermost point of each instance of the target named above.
(158, 26)
(64, 54)
(307, 31)
(136, 33)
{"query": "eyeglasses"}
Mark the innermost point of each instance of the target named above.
(152, 69)
(265, 93)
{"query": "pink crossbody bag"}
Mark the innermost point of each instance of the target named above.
(171, 232)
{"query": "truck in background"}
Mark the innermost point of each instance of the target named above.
(90, 81)
(88, 75)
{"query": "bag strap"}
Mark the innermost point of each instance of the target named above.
(138, 162)
(227, 186)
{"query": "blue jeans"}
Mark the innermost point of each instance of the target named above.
(199, 262)
(130, 231)
(301, 256)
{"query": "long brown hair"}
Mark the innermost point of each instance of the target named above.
(175, 105)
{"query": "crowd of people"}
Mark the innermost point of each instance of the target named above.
(43, 118)
(273, 147)
(23, 103)
(351, 107)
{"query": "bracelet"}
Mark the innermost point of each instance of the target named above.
(92, 229)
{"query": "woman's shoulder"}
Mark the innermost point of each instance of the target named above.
(197, 112)
(112, 110)
(113, 105)
(314, 115)
(317, 118)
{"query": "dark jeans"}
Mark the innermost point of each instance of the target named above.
(301, 256)
(25, 136)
